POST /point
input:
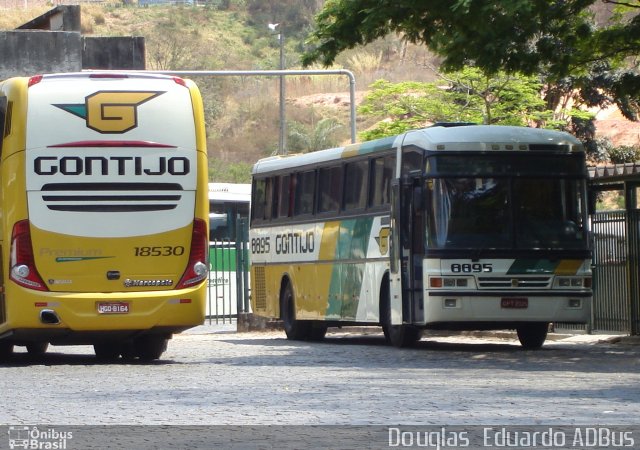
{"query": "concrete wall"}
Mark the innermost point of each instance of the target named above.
(31, 50)
(113, 53)
(27, 53)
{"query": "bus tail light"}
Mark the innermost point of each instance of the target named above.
(198, 265)
(23, 266)
(34, 80)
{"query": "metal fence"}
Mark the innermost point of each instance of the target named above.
(611, 290)
(228, 289)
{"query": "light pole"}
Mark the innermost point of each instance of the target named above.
(282, 141)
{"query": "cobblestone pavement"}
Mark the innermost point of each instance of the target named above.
(213, 376)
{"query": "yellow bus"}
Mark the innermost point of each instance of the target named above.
(449, 227)
(104, 212)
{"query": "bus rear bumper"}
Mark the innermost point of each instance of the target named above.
(66, 336)
(31, 315)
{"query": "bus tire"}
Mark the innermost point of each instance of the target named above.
(317, 331)
(107, 351)
(150, 347)
(37, 348)
(532, 335)
(397, 335)
(6, 350)
(296, 330)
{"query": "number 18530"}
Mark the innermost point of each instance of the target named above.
(159, 251)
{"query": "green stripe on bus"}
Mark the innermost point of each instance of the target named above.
(346, 278)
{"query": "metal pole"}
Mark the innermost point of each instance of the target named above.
(264, 73)
(283, 124)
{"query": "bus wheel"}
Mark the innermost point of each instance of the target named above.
(127, 351)
(294, 329)
(37, 348)
(150, 347)
(107, 351)
(6, 350)
(532, 335)
(396, 335)
(317, 331)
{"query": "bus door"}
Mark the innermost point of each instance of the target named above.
(408, 249)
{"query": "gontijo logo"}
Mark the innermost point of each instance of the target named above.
(111, 111)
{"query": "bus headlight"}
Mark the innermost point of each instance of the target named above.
(573, 282)
(448, 282)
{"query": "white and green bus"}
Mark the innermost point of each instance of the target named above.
(449, 227)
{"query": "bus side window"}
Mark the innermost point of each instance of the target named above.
(330, 189)
(258, 201)
(355, 185)
(380, 181)
(269, 197)
(275, 197)
(285, 194)
(305, 193)
(3, 118)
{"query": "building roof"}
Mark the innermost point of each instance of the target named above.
(615, 173)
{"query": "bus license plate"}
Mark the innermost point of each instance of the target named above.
(113, 308)
(514, 303)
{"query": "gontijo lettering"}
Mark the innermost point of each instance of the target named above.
(295, 242)
(114, 165)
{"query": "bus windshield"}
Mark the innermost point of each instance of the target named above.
(505, 213)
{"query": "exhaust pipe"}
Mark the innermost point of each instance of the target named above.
(49, 317)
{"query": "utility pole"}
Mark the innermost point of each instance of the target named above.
(282, 141)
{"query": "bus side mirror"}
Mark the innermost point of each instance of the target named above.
(394, 242)
(417, 198)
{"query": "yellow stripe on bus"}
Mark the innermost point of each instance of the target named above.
(568, 267)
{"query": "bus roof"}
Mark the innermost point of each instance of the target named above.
(491, 137)
(439, 138)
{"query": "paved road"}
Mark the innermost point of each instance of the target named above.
(212, 376)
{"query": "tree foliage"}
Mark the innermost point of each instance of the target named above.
(305, 139)
(559, 39)
(462, 96)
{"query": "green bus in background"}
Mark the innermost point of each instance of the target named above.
(228, 221)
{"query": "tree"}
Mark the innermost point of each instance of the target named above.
(303, 139)
(558, 39)
(463, 96)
